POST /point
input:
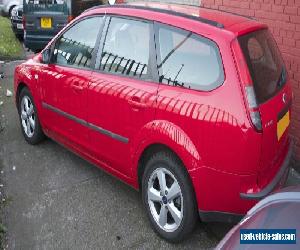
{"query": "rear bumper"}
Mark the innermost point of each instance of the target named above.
(216, 216)
(222, 196)
(277, 182)
(14, 24)
(36, 42)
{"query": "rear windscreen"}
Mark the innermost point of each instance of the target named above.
(264, 62)
(45, 5)
(45, 1)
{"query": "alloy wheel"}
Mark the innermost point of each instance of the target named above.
(165, 199)
(27, 116)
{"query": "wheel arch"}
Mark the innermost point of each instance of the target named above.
(21, 85)
(165, 136)
(146, 155)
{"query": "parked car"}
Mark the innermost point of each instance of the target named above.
(17, 21)
(43, 19)
(191, 106)
(6, 6)
(278, 211)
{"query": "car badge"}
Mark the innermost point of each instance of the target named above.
(284, 98)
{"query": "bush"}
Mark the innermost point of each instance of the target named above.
(10, 47)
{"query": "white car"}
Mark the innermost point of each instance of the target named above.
(6, 6)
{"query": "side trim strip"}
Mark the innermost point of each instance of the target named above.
(86, 124)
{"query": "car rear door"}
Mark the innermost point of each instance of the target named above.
(122, 94)
(273, 96)
(191, 99)
(65, 81)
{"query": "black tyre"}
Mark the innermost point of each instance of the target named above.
(20, 37)
(30, 124)
(168, 197)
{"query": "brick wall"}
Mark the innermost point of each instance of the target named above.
(283, 19)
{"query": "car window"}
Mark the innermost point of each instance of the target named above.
(188, 60)
(126, 48)
(255, 50)
(45, 1)
(75, 47)
(264, 62)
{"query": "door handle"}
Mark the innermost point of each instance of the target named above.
(136, 103)
(77, 87)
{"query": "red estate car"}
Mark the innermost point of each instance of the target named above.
(190, 105)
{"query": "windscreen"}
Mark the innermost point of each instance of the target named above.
(265, 63)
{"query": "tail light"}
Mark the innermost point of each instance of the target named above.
(246, 81)
(24, 21)
(253, 107)
(70, 18)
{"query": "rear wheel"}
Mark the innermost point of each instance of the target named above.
(30, 124)
(168, 197)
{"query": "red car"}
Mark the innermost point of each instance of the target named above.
(190, 105)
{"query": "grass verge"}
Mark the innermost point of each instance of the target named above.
(10, 46)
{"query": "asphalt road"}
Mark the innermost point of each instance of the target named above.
(55, 200)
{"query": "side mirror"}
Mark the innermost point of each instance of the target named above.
(46, 56)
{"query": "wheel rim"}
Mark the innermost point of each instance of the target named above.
(165, 199)
(27, 116)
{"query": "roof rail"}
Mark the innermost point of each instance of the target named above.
(172, 12)
(208, 8)
(230, 12)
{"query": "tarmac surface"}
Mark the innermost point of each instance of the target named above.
(56, 200)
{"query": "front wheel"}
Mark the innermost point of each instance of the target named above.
(168, 197)
(30, 124)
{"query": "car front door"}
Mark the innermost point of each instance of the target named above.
(122, 94)
(65, 81)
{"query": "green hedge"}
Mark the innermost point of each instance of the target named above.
(10, 46)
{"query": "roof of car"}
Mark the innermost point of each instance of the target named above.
(221, 19)
(226, 19)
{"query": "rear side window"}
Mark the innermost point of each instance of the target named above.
(126, 48)
(75, 47)
(188, 60)
(264, 62)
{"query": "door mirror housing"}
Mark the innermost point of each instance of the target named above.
(46, 56)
